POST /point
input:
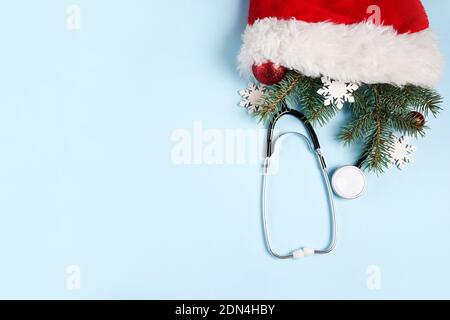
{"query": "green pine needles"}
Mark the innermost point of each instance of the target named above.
(276, 95)
(377, 112)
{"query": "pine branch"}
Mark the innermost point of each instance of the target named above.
(381, 109)
(275, 97)
(378, 111)
(323, 114)
(393, 99)
(363, 100)
(377, 149)
(424, 100)
(312, 103)
(407, 125)
(378, 143)
(357, 129)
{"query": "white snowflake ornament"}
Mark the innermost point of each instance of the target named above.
(401, 153)
(251, 97)
(337, 92)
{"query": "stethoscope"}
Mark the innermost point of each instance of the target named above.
(348, 182)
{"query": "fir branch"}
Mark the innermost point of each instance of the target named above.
(322, 114)
(393, 99)
(378, 143)
(407, 125)
(312, 103)
(357, 129)
(275, 97)
(377, 149)
(424, 100)
(363, 100)
(381, 109)
(378, 111)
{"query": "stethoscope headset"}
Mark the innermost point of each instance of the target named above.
(348, 182)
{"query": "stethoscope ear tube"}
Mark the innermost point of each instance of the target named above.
(300, 116)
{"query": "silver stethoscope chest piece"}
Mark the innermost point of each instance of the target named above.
(349, 182)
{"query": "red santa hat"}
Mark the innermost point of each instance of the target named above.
(367, 41)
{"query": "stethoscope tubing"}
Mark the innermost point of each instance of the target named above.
(273, 150)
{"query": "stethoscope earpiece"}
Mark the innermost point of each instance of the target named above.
(349, 182)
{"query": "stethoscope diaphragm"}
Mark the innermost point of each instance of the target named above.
(349, 182)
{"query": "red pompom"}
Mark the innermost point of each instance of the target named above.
(420, 119)
(268, 73)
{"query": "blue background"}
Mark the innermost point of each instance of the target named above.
(86, 176)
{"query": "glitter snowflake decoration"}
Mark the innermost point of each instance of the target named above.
(337, 92)
(251, 97)
(401, 153)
